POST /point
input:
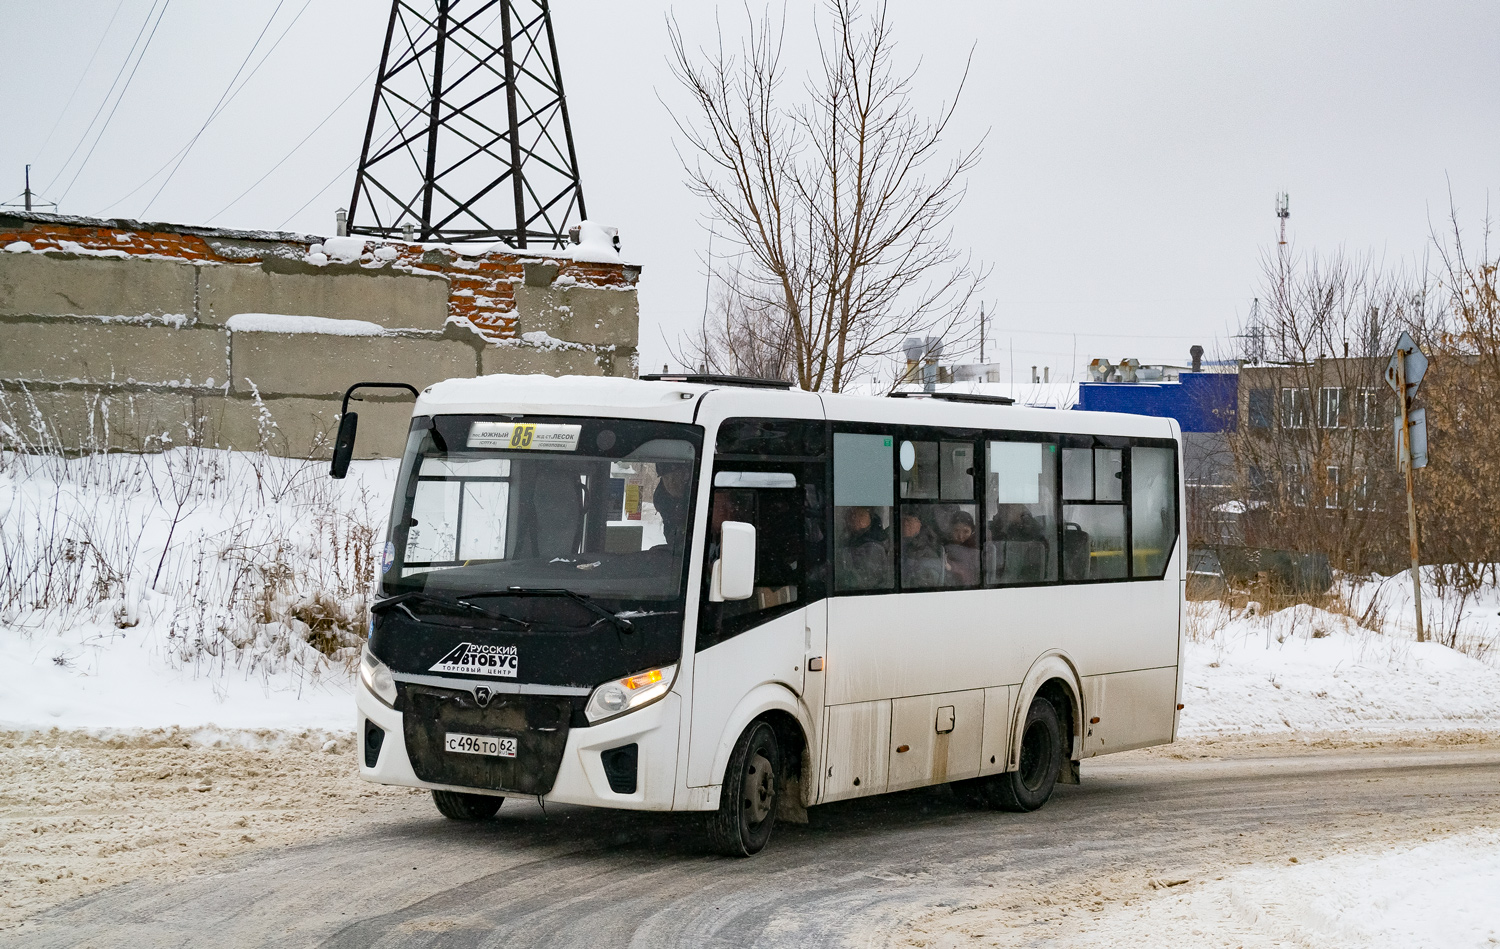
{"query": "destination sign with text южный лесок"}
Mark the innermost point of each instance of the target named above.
(523, 436)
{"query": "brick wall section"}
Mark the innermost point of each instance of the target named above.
(120, 326)
(481, 287)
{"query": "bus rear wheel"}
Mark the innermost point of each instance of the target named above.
(455, 805)
(747, 801)
(1029, 786)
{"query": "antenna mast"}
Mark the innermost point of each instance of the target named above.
(28, 197)
(471, 92)
(1283, 211)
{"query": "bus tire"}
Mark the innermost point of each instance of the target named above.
(747, 801)
(455, 805)
(1041, 761)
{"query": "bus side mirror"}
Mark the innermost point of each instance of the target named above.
(734, 571)
(343, 446)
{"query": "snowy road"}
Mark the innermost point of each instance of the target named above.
(916, 868)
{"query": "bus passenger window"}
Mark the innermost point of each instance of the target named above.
(1078, 474)
(863, 498)
(919, 470)
(1021, 504)
(939, 546)
(1093, 541)
(1153, 509)
(1108, 483)
(1093, 544)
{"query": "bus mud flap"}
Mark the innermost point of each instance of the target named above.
(1070, 773)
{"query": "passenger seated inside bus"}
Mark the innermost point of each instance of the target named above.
(1019, 550)
(961, 550)
(922, 563)
(864, 553)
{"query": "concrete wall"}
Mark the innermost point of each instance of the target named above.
(115, 334)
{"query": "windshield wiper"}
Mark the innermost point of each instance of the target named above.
(452, 603)
(621, 624)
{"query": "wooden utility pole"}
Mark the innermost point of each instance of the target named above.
(1411, 493)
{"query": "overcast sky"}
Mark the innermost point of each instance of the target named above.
(1124, 199)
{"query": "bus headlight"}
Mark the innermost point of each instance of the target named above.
(377, 678)
(632, 692)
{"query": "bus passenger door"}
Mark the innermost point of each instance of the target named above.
(767, 639)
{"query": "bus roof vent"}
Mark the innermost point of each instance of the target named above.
(955, 397)
(711, 379)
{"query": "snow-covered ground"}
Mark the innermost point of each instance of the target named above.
(1442, 893)
(1307, 670)
(188, 588)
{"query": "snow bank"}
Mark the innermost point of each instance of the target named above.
(1309, 670)
(287, 323)
(1436, 894)
(187, 588)
(95, 676)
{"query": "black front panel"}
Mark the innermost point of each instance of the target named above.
(561, 649)
(539, 723)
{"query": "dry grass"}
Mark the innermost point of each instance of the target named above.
(237, 558)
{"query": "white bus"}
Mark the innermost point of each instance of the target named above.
(707, 594)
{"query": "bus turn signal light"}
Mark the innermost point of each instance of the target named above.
(641, 681)
(1094, 720)
(815, 665)
(1180, 707)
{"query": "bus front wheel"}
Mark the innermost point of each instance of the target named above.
(1030, 785)
(747, 801)
(455, 805)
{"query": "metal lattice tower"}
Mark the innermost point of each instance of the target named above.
(479, 147)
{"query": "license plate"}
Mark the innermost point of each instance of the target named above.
(489, 745)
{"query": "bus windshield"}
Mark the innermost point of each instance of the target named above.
(510, 504)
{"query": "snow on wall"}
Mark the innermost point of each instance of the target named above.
(286, 323)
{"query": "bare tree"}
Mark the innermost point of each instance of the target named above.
(837, 204)
(1313, 450)
(1459, 493)
(740, 334)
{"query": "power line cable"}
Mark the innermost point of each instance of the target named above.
(393, 124)
(105, 101)
(181, 152)
(79, 84)
(294, 150)
(217, 105)
(124, 89)
(315, 197)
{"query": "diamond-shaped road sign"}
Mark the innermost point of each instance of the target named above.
(1416, 365)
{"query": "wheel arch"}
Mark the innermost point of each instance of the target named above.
(787, 716)
(1054, 677)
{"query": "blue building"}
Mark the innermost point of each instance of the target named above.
(1201, 402)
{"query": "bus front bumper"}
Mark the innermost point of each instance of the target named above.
(582, 777)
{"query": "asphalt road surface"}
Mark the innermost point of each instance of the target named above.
(913, 868)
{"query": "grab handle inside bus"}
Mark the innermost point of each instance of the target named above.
(734, 571)
(343, 445)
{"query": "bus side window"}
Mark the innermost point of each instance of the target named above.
(1093, 544)
(1021, 508)
(773, 503)
(1153, 509)
(939, 537)
(863, 499)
